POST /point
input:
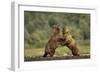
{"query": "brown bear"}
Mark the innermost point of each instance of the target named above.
(70, 42)
(53, 42)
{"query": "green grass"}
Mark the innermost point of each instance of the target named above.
(61, 51)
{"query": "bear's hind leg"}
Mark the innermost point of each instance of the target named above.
(45, 54)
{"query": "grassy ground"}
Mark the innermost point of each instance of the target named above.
(61, 51)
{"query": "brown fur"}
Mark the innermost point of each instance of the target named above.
(70, 42)
(53, 42)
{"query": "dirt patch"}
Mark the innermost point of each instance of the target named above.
(26, 59)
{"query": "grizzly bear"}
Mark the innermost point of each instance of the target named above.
(70, 42)
(53, 42)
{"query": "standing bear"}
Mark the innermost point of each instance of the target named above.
(53, 42)
(70, 42)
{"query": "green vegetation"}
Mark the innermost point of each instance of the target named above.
(37, 31)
